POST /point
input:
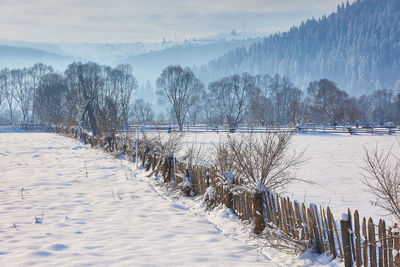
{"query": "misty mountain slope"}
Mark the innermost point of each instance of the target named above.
(358, 47)
(148, 66)
(19, 57)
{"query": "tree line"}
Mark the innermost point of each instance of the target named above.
(43, 95)
(40, 94)
(270, 100)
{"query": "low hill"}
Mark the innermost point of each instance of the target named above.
(19, 57)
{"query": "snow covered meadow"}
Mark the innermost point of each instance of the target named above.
(334, 165)
(64, 203)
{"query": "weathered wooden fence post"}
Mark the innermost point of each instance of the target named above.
(149, 160)
(170, 166)
(259, 223)
(345, 228)
(396, 244)
(331, 239)
(146, 151)
(358, 258)
(371, 239)
(228, 195)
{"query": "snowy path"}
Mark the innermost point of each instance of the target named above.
(93, 215)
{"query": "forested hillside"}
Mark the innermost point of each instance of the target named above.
(358, 47)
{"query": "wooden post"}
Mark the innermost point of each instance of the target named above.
(293, 220)
(330, 233)
(315, 233)
(284, 215)
(380, 247)
(305, 218)
(278, 214)
(396, 244)
(385, 248)
(148, 162)
(259, 223)
(345, 228)
(365, 242)
(351, 234)
(302, 233)
(169, 166)
(371, 239)
(337, 237)
(358, 238)
(390, 247)
(321, 229)
(268, 206)
(154, 162)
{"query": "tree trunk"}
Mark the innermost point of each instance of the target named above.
(11, 112)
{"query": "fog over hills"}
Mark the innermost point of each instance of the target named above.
(19, 57)
(147, 59)
(358, 47)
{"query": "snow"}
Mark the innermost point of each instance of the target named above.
(334, 165)
(66, 204)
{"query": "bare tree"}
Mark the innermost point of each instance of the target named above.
(35, 74)
(212, 115)
(181, 89)
(382, 177)
(7, 90)
(113, 101)
(124, 84)
(383, 105)
(327, 97)
(50, 98)
(103, 93)
(23, 91)
(230, 97)
(142, 111)
(290, 100)
(1, 96)
(196, 112)
(90, 81)
(261, 105)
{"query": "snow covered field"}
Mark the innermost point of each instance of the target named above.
(63, 203)
(334, 165)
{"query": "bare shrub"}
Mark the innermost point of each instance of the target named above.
(382, 177)
(167, 144)
(194, 156)
(224, 164)
(164, 147)
(262, 162)
(265, 162)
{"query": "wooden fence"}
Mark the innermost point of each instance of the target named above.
(24, 127)
(356, 241)
(311, 129)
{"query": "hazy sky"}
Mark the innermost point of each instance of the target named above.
(149, 20)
